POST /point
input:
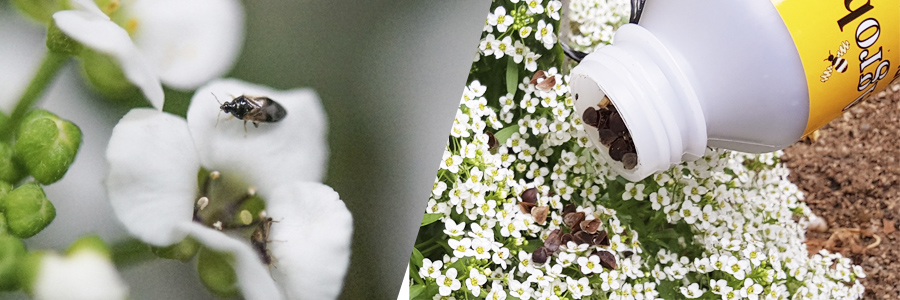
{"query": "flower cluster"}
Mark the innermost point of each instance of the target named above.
(524, 208)
(593, 22)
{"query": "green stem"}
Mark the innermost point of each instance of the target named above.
(130, 252)
(49, 67)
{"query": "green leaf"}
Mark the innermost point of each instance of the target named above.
(512, 76)
(11, 252)
(217, 274)
(11, 169)
(505, 133)
(27, 210)
(416, 290)
(430, 218)
(47, 145)
(416, 258)
(4, 122)
(427, 293)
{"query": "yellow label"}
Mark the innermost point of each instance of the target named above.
(850, 49)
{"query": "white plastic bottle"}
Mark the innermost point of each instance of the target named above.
(750, 75)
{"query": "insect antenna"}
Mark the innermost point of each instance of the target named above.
(220, 109)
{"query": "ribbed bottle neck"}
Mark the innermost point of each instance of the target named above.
(654, 99)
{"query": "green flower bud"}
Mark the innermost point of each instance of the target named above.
(217, 274)
(47, 145)
(5, 188)
(4, 227)
(28, 267)
(107, 78)
(27, 210)
(4, 118)
(11, 169)
(59, 42)
(182, 251)
(90, 243)
(40, 10)
(11, 251)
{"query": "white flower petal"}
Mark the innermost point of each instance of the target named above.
(83, 275)
(310, 243)
(253, 279)
(189, 42)
(89, 6)
(152, 178)
(270, 155)
(99, 33)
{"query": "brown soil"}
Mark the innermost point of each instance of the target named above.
(851, 177)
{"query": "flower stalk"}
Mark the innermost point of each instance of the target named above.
(50, 66)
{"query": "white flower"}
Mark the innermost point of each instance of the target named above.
(517, 51)
(580, 287)
(65, 278)
(545, 34)
(503, 47)
(689, 212)
(461, 248)
(751, 290)
(89, 26)
(488, 45)
(451, 162)
(153, 187)
(553, 9)
(633, 191)
(693, 291)
(497, 292)
(500, 19)
(475, 280)
(453, 229)
(531, 61)
(535, 7)
(590, 264)
(189, 42)
(431, 269)
(448, 283)
(519, 289)
(525, 31)
(185, 43)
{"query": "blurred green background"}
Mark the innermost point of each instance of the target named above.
(390, 75)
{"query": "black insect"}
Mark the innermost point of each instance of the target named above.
(253, 109)
(260, 240)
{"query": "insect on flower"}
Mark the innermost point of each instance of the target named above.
(260, 240)
(253, 109)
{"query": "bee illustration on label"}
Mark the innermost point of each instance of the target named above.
(838, 63)
(253, 109)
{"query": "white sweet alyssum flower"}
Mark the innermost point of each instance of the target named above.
(88, 25)
(153, 188)
(183, 44)
(561, 225)
(83, 275)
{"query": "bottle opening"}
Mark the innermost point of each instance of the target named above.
(606, 128)
(612, 132)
